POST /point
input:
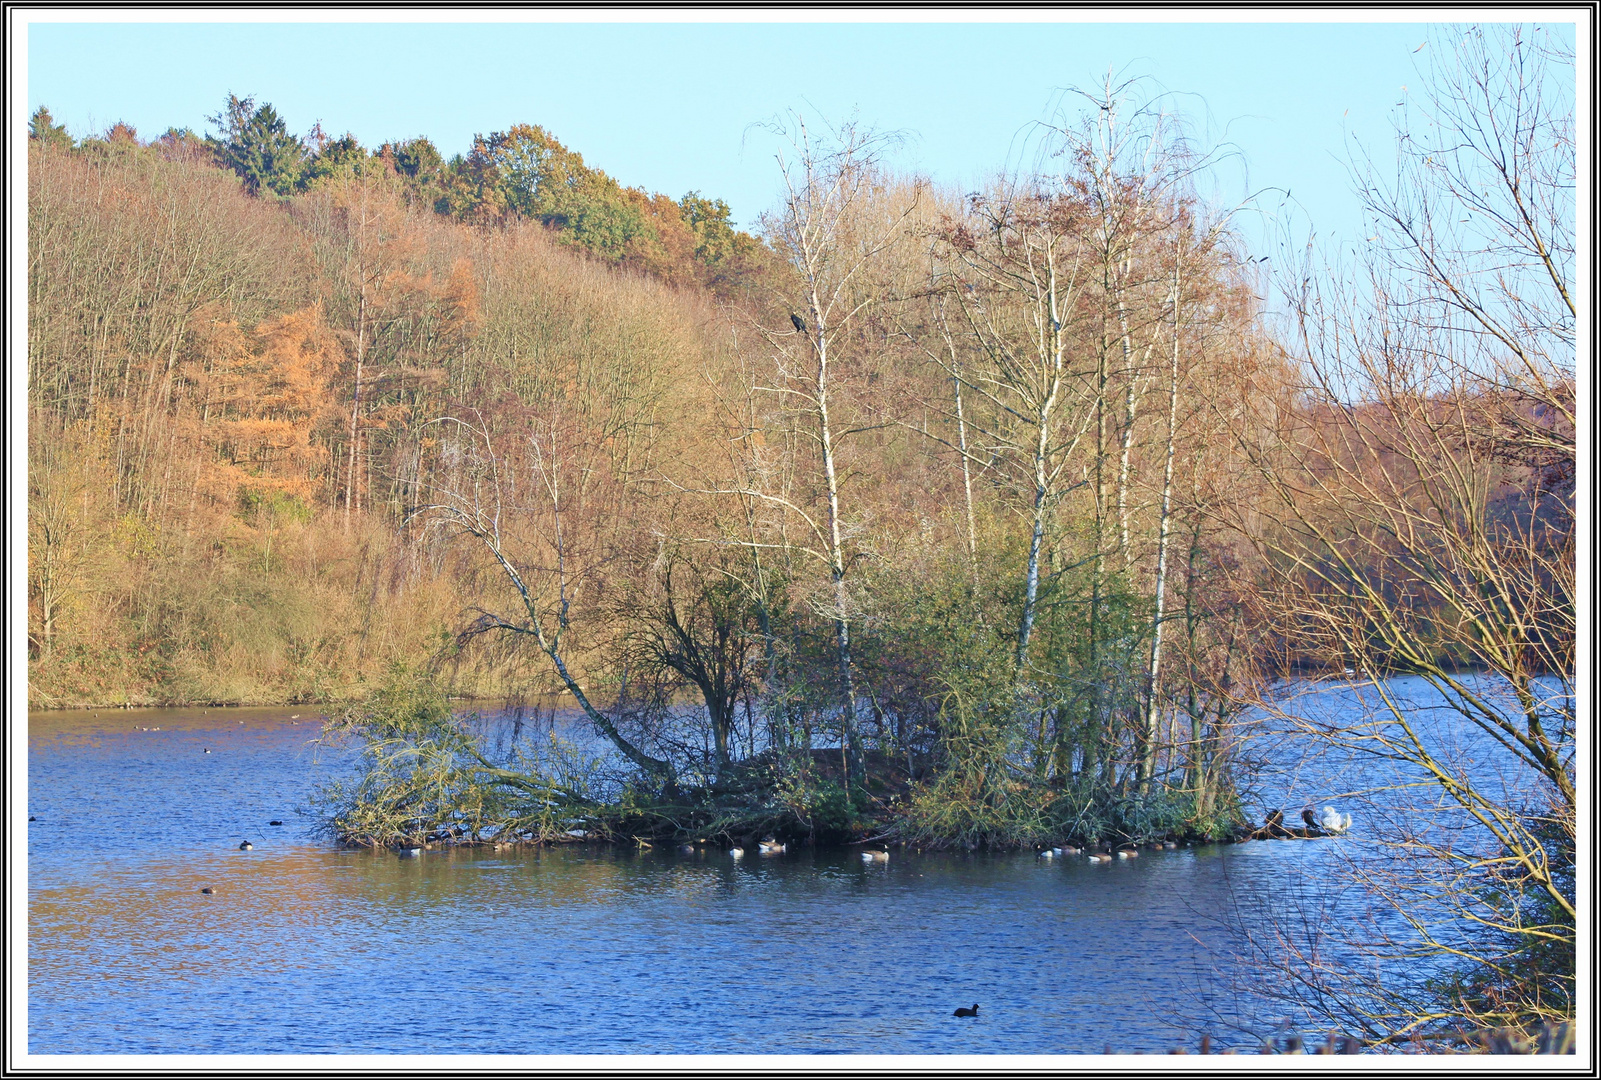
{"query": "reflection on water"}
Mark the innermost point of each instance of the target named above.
(306, 948)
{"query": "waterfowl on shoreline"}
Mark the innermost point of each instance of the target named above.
(737, 852)
(876, 856)
(967, 1012)
(686, 849)
(771, 846)
(1333, 821)
(1308, 816)
(1125, 854)
(1100, 856)
(208, 890)
(410, 853)
(1272, 827)
(1047, 853)
(1068, 849)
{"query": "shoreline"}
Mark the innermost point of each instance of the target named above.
(313, 703)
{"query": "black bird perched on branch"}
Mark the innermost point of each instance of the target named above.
(967, 1012)
(800, 323)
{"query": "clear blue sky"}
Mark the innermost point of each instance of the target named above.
(670, 106)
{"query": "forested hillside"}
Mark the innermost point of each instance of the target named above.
(225, 390)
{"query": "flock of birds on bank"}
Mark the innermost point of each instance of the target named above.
(1328, 822)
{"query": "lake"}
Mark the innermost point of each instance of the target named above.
(310, 949)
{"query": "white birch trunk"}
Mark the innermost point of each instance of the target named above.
(1164, 529)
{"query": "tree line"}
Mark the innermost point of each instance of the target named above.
(523, 173)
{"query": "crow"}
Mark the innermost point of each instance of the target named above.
(800, 323)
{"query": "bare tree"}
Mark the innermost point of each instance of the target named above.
(1415, 516)
(692, 618)
(1132, 166)
(830, 232)
(1015, 274)
(512, 497)
(59, 542)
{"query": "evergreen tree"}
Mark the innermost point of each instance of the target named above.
(334, 157)
(257, 145)
(43, 128)
(417, 159)
(420, 167)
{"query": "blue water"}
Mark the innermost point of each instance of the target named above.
(307, 948)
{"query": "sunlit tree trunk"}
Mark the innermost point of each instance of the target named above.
(355, 401)
(836, 551)
(967, 470)
(472, 502)
(1158, 619)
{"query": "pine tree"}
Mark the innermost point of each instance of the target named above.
(257, 145)
(43, 128)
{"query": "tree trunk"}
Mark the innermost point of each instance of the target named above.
(355, 400)
(1031, 579)
(1153, 673)
(836, 555)
(967, 472)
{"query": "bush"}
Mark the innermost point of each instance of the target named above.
(423, 775)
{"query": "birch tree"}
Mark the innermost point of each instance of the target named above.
(830, 231)
(1017, 280)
